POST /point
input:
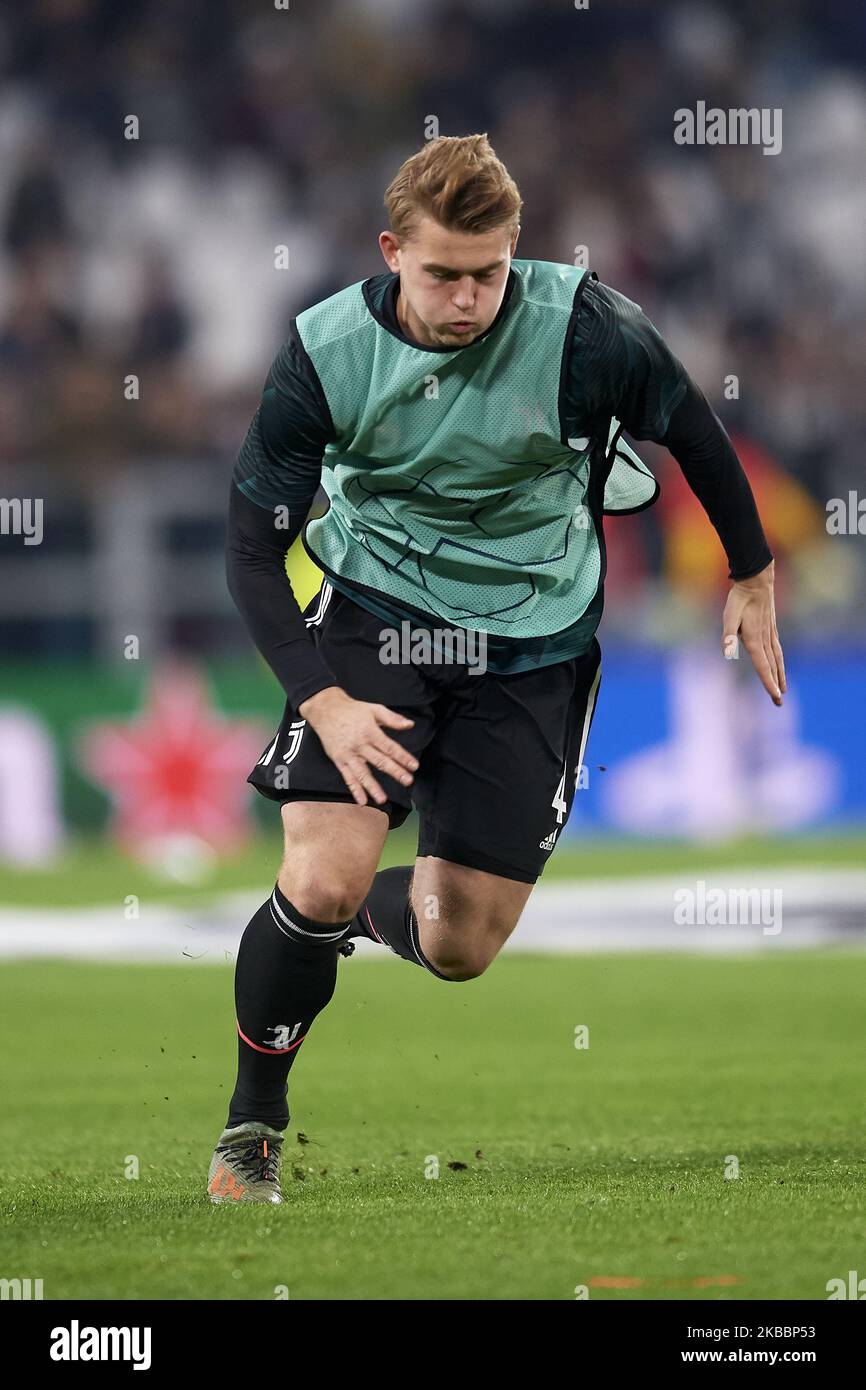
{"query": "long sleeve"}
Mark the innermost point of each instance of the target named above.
(621, 366)
(701, 447)
(275, 481)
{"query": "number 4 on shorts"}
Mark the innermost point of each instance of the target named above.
(558, 803)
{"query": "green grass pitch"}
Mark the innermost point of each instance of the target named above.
(602, 1167)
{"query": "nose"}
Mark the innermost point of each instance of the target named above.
(464, 293)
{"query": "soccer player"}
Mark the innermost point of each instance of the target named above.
(463, 411)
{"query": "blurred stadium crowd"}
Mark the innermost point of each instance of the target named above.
(260, 127)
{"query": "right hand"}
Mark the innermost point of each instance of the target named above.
(351, 733)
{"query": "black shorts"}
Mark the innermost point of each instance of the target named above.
(498, 755)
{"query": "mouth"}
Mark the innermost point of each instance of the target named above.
(461, 326)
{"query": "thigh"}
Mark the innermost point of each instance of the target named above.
(464, 915)
(331, 854)
(499, 777)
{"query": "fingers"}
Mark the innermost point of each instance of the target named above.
(762, 640)
(352, 783)
(391, 718)
(358, 749)
(763, 667)
(396, 752)
(780, 661)
(381, 760)
(731, 619)
(388, 755)
(770, 659)
(359, 779)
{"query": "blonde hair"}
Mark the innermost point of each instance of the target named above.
(459, 182)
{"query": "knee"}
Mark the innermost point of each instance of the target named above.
(461, 971)
(459, 944)
(457, 963)
(335, 901)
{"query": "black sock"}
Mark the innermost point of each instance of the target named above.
(387, 916)
(285, 975)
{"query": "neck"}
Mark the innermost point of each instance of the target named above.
(412, 327)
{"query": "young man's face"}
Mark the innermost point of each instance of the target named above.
(451, 283)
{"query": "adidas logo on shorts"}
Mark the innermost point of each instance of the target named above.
(549, 842)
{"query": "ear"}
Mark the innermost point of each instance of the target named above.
(390, 246)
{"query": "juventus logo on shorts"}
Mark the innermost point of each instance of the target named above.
(296, 730)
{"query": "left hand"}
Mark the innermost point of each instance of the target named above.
(750, 613)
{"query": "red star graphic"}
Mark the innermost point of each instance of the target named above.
(178, 767)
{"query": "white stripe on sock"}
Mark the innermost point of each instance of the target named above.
(278, 913)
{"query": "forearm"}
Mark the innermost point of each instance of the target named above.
(257, 581)
(700, 445)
